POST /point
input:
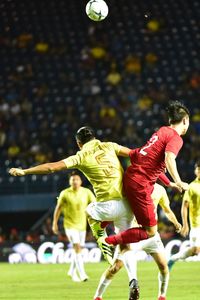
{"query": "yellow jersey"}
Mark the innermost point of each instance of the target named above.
(98, 161)
(159, 196)
(192, 195)
(73, 204)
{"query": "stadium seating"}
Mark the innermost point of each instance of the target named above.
(52, 80)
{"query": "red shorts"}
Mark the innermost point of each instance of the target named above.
(139, 197)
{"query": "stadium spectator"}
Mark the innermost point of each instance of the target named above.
(46, 229)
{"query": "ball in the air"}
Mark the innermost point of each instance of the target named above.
(97, 10)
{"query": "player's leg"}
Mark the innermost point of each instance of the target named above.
(193, 250)
(155, 248)
(106, 278)
(99, 214)
(72, 268)
(109, 274)
(163, 275)
(97, 227)
(146, 216)
(183, 255)
(79, 262)
(124, 221)
(76, 238)
(79, 259)
(144, 210)
(73, 240)
(130, 263)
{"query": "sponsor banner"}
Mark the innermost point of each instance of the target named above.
(59, 252)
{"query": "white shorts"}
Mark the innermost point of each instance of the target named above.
(150, 246)
(117, 211)
(75, 236)
(195, 237)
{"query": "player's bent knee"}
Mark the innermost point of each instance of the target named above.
(150, 234)
(124, 248)
(77, 248)
(151, 231)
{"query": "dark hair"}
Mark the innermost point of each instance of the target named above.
(74, 173)
(85, 134)
(197, 164)
(176, 112)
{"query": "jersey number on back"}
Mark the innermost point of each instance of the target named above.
(151, 142)
(105, 163)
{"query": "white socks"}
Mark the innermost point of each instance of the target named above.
(130, 263)
(180, 255)
(80, 266)
(163, 281)
(72, 265)
(103, 284)
(77, 266)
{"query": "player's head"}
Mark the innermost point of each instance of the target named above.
(84, 135)
(197, 169)
(179, 115)
(75, 180)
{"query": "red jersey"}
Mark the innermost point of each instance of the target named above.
(148, 162)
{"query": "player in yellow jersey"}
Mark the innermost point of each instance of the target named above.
(191, 202)
(99, 162)
(152, 246)
(72, 202)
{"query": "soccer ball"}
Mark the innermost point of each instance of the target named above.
(97, 10)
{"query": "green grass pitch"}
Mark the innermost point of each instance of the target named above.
(49, 282)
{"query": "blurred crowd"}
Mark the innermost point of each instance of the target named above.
(44, 233)
(61, 71)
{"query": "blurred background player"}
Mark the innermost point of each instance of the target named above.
(147, 163)
(72, 202)
(152, 246)
(191, 202)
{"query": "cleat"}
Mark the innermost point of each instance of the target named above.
(170, 264)
(106, 249)
(98, 298)
(134, 290)
(162, 298)
(86, 278)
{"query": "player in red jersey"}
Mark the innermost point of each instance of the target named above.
(147, 163)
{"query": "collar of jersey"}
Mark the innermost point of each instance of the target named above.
(71, 189)
(90, 143)
(197, 180)
(173, 130)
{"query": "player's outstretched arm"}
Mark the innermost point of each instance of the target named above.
(184, 214)
(165, 180)
(124, 151)
(56, 216)
(47, 168)
(170, 161)
(172, 218)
